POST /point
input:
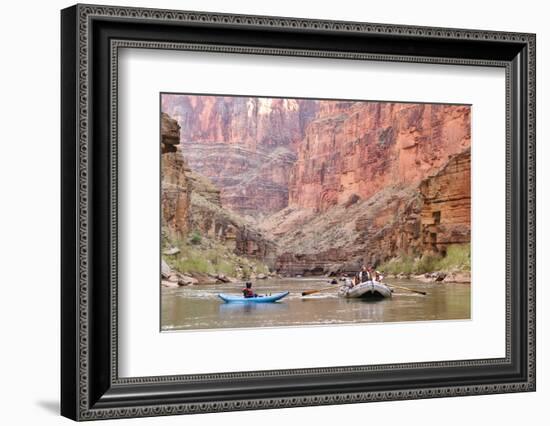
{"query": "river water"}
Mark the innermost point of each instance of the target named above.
(198, 307)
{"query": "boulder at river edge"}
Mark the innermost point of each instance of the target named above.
(165, 270)
(171, 251)
(458, 277)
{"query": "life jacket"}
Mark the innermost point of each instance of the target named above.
(247, 292)
(365, 276)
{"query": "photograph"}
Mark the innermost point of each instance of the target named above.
(289, 212)
(264, 209)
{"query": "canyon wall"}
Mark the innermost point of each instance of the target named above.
(175, 185)
(424, 218)
(190, 202)
(252, 183)
(238, 120)
(269, 153)
(446, 208)
(373, 181)
(436, 216)
(245, 145)
(357, 149)
(328, 185)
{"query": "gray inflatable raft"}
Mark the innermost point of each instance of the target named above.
(366, 290)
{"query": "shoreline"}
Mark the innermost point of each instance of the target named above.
(440, 278)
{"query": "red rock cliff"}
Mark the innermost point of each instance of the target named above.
(190, 202)
(360, 148)
(246, 121)
(176, 186)
(414, 220)
(446, 207)
(245, 145)
(338, 182)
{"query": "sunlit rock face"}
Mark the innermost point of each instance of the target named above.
(245, 121)
(417, 219)
(373, 181)
(246, 146)
(362, 148)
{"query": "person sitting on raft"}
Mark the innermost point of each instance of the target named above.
(365, 275)
(248, 292)
(376, 274)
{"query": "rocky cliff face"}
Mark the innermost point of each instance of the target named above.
(176, 187)
(191, 202)
(446, 207)
(346, 235)
(435, 216)
(357, 149)
(413, 220)
(332, 183)
(246, 146)
(170, 133)
(252, 182)
(246, 121)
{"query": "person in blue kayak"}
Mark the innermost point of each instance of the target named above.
(247, 291)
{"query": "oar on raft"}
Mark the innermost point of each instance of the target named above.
(308, 292)
(410, 289)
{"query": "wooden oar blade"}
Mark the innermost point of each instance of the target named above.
(308, 292)
(410, 289)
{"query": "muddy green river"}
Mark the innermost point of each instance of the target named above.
(198, 307)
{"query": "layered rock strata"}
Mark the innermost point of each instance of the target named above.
(191, 202)
(395, 221)
(363, 147)
(333, 183)
(245, 145)
(175, 185)
(446, 208)
(254, 183)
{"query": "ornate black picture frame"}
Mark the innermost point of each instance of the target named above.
(91, 36)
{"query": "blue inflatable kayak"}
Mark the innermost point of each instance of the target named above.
(230, 298)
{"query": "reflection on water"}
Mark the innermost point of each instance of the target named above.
(256, 308)
(198, 307)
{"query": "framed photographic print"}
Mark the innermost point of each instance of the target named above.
(263, 212)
